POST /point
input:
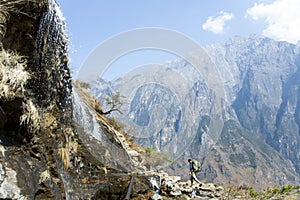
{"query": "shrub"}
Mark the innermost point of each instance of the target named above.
(286, 188)
(276, 190)
(148, 150)
(253, 193)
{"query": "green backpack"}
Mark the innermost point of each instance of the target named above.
(196, 166)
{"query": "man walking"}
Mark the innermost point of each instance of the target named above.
(194, 168)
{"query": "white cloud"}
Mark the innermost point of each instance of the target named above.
(282, 18)
(217, 24)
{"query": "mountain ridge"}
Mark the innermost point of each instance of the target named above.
(261, 95)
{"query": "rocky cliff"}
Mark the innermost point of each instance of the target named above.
(35, 89)
(247, 134)
(45, 153)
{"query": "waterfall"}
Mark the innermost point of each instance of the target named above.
(83, 117)
(52, 74)
(100, 142)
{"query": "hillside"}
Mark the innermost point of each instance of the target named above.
(242, 123)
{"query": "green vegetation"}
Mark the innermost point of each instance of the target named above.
(286, 190)
(114, 102)
(253, 193)
(155, 158)
(148, 150)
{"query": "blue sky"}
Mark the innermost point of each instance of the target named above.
(89, 23)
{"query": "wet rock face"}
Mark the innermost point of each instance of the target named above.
(2, 118)
(20, 23)
(10, 126)
(17, 33)
(22, 177)
(35, 31)
(32, 34)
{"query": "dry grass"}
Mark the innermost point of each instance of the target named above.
(66, 152)
(69, 147)
(49, 121)
(30, 117)
(65, 157)
(3, 20)
(13, 76)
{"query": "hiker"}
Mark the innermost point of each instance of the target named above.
(194, 168)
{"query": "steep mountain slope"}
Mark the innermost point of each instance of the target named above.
(45, 154)
(253, 127)
(271, 92)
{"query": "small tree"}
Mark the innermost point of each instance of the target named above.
(114, 102)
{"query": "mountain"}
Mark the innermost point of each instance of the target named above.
(56, 141)
(234, 106)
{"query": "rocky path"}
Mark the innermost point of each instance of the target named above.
(172, 187)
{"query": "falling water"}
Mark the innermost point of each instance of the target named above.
(83, 117)
(53, 78)
(52, 75)
(98, 139)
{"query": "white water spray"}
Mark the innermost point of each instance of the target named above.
(86, 119)
(52, 42)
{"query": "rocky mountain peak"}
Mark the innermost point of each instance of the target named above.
(260, 103)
